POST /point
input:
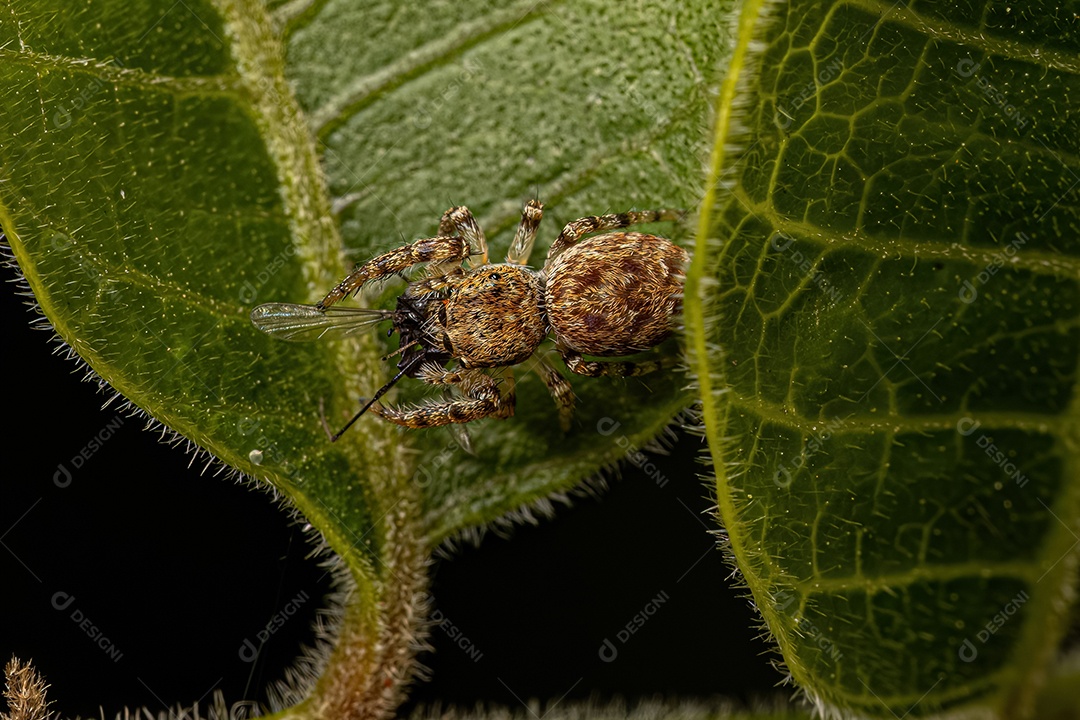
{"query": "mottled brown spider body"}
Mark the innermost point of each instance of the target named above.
(494, 317)
(607, 296)
(615, 294)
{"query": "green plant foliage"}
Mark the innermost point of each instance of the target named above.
(168, 166)
(882, 311)
(469, 104)
(888, 348)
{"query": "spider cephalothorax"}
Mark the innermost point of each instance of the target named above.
(606, 296)
(493, 316)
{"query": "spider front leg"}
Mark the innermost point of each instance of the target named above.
(459, 221)
(442, 250)
(483, 398)
(615, 368)
(522, 246)
(577, 229)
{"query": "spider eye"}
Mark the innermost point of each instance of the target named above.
(494, 276)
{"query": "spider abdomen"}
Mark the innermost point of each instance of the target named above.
(615, 294)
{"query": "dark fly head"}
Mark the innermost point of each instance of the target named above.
(411, 322)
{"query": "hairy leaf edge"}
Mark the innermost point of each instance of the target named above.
(1039, 638)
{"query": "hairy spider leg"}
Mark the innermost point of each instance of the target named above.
(577, 229)
(441, 249)
(522, 246)
(459, 221)
(559, 387)
(508, 395)
(615, 368)
(482, 398)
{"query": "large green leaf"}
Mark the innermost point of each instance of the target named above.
(485, 105)
(888, 344)
(886, 244)
(167, 166)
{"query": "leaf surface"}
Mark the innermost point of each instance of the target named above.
(487, 105)
(168, 166)
(888, 344)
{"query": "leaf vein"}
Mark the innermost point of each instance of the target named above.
(364, 90)
(1002, 47)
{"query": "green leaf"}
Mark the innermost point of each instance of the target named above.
(486, 104)
(167, 166)
(888, 351)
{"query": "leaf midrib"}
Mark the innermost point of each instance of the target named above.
(377, 640)
(938, 572)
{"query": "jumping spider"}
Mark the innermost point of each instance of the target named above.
(606, 296)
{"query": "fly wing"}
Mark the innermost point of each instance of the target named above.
(286, 321)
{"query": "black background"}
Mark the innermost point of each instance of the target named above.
(177, 568)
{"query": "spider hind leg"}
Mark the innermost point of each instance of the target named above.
(577, 229)
(561, 391)
(612, 368)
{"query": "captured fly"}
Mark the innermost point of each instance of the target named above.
(300, 323)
